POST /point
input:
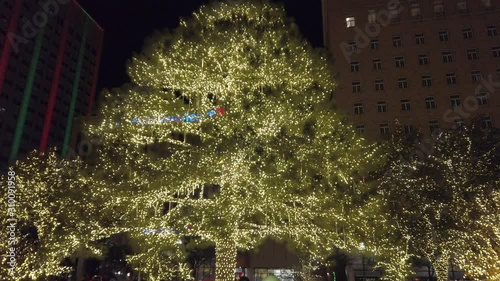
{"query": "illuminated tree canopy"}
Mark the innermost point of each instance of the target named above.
(275, 161)
(447, 201)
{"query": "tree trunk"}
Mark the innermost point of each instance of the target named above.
(225, 259)
(80, 268)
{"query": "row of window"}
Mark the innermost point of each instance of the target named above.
(451, 79)
(430, 103)
(486, 123)
(416, 11)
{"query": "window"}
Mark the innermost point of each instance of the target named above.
(472, 54)
(377, 64)
(358, 108)
(467, 33)
(402, 83)
(486, 123)
(360, 129)
(482, 98)
(433, 125)
(496, 52)
(384, 129)
(408, 129)
(352, 47)
(455, 101)
(476, 76)
(374, 44)
(405, 105)
(430, 103)
(396, 41)
(438, 8)
(443, 36)
(381, 106)
(419, 38)
(459, 122)
(447, 57)
(451, 79)
(379, 85)
(426, 81)
(462, 6)
(415, 10)
(423, 60)
(486, 3)
(492, 30)
(350, 22)
(354, 66)
(372, 16)
(400, 61)
(356, 87)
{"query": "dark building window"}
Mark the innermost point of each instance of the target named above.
(358, 108)
(419, 38)
(405, 105)
(443, 36)
(381, 106)
(467, 33)
(430, 103)
(396, 41)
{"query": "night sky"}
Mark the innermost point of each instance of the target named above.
(127, 23)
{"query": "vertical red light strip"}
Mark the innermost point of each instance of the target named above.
(96, 73)
(7, 45)
(55, 81)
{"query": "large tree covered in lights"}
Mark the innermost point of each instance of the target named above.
(445, 196)
(226, 135)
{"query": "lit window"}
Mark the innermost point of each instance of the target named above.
(423, 59)
(462, 6)
(455, 101)
(476, 76)
(447, 57)
(467, 33)
(472, 54)
(451, 79)
(396, 41)
(381, 106)
(374, 44)
(426, 81)
(486, 3)
(405, 105)
(377, 64)
(419, 38)
(438, 7)
(415, 10)
(379, 85)
(402, 83)
(482, 98)
(496, 52)
(486, 123)
(384, 129)
(354, 66)
(360, 129)
(372, 16)
(433, 125)
(400, 62)
(350, 22)
(492, 30)
(430, 103)
(356, 87)
(443, 36)
(358, 108)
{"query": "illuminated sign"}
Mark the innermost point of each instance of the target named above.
(186, 118)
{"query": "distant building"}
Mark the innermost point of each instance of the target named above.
(429, 64)
(49, 60)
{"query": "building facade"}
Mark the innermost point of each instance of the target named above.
(426, 63)
(49, 60)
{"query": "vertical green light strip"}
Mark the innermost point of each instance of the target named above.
(76, 84)
(28, 89)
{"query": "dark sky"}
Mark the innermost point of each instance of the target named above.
(127, 23)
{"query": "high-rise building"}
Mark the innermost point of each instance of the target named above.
(49, 60)
(428, 64)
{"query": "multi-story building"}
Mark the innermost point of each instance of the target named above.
(427, 64)
(49, 59)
